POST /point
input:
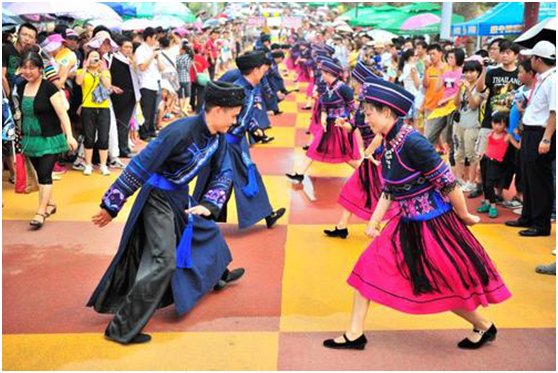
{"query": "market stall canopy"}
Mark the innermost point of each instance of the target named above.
(503, 19)
(545, 30)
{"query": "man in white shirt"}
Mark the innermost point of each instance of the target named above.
(150, 68)
(538, 144)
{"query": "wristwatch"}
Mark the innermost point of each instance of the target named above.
(546, 141)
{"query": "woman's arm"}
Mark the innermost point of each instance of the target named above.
(58, 105)
(457, 200)
(373, 228)
(106, 79)
(415, 76)
(80, 76)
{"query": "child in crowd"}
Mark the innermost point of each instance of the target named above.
(166, 106)
(467, 125)
(492, 163)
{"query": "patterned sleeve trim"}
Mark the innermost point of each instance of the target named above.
(131, 179)
(442, 178)
(218, 190)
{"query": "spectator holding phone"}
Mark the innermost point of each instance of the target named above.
(95, 81)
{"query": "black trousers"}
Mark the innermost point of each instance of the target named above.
(211, 71)
(197, 99)
(491, 171)
(156, 267)
(123, 105)
(95, 123)
(44, 166)
(537, 179)
(147, 103)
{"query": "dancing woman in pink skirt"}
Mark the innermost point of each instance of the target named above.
(427, 261)
(336, 141)
(362, 190)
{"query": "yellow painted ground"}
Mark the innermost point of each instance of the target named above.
(167, 351)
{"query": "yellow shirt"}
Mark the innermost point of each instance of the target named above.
(67, 58)
(89, 84)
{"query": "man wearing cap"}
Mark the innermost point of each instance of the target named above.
(252, 202)
(171, 251)
(538, 144)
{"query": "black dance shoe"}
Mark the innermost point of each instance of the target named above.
(140, 338)
(277, 112)
(343, 233)
(267, 139)
(228, 278)
(486, 336)
(357, 344)
(306, 147)
(272, 219)
(296, 177)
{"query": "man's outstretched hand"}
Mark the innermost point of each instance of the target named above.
(102, 218)
(198, 210)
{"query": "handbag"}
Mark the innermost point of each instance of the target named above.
(26, 178)
(201, 78)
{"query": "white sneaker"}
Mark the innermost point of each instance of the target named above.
(88, 170)
(554, 252)
(518, 211)
(104, 170)
(468, 187)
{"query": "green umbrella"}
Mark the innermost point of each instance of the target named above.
(395, 24)
(420, 7)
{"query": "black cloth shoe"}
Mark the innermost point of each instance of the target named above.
(306, 147)
(487, 336)
(277, 112)
(267, 139)
(357, 344)
(343, 233)
(533, 232)
(140, 338)
(276, 215)
(229, 277)
(518, 224)
(295, 177)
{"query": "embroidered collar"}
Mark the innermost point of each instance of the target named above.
(394, 130)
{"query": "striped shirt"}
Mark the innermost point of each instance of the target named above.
(183, 64)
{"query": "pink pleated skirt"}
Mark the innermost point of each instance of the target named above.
(361, 192)
(381, 274)
(334, 146)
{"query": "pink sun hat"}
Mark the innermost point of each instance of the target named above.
(99, 39)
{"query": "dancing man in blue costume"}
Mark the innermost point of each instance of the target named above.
(171, 250)
(252, 201)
